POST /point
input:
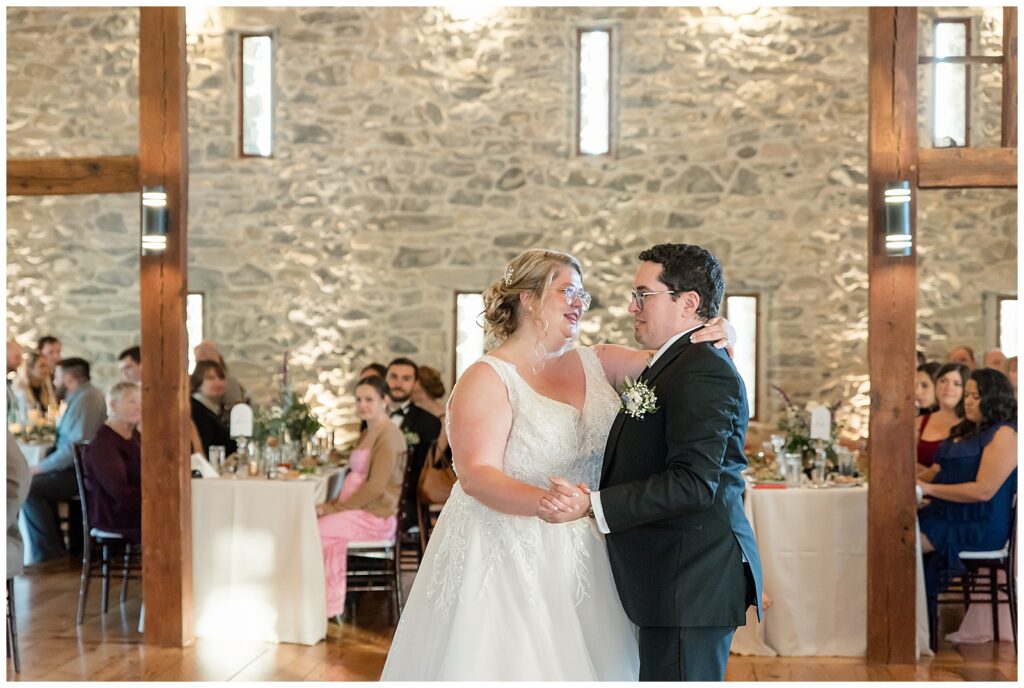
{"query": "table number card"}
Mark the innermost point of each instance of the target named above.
(241, 420)
(821, 424)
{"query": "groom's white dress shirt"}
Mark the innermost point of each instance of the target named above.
(595, 497)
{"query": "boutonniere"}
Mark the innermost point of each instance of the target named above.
(638, 399)
(411, 437)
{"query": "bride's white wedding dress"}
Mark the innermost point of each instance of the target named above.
(502, 597)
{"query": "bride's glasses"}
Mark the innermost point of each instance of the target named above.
(572, 292)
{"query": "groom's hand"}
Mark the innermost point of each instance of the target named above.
(564, 502)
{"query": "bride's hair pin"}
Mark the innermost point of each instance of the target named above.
(508, 276)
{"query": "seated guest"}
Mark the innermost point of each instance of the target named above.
(18, 479)
(112, 467)
(129, 362)
(13, 362)
(996, 360)
(377, 369)
(367, 508)
(49, 347)
(933, 429)
(420, 427)
(1011, 372)
(53, 480)
(971, 497)
(924, 388)
(963, 355)
(234, 393)
(428, 392)
(207, 384)
(33, 387)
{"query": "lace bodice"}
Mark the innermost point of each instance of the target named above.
(549, 437)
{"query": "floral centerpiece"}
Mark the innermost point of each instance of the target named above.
(796, 425)
(289, 419)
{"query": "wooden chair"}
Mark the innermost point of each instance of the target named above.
(12, 628)
(96, 560)
(980, 584)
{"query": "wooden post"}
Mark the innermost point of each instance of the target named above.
(892, 320)
(166, 474)
(1009, 77)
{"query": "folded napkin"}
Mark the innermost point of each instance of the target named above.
(199, 463)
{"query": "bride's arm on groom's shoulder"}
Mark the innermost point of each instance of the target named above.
(479, 421)
(620, 362)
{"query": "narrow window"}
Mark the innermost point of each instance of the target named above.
(193, 325)
(1006, 326)
(742, 312)
(257, 104)
(950, 107)
(593, 98)
(469, 331)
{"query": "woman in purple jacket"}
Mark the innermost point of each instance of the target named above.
(112, 468)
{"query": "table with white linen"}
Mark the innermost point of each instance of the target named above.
(813, 548)
(34, 452)
(256, 558)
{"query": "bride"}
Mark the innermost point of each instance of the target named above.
(500, 594)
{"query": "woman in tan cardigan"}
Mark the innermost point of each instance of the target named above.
(367, 508)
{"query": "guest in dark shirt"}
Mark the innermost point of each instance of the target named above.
(208, 383)
(112, 466)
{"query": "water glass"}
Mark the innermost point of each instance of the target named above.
(818, 471)
(794, 468)
(844, 457)
(217, 457)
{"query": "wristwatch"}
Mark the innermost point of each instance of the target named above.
(590, 512)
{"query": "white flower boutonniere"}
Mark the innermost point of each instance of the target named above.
(411, 438)
(638, 399)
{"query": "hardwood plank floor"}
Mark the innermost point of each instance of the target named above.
(109, 648)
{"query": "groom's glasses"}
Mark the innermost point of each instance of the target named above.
(572, 292)
(638, 296)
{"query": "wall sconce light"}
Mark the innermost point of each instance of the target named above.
(154, 220)
(898, 239)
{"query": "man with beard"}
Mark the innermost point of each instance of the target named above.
(53, 480)
(420, 428)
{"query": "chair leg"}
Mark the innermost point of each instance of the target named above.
(125, 571)
(83, 588)
(106, 577)
(994, 587)
(12, 627)
(965, 584)
(397, 592)
(933, 623)
(1011, 594)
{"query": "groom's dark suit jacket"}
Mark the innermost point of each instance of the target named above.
(672, 494)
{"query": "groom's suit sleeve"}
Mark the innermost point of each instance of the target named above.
(701, 407)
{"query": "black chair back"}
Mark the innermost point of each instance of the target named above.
(77, 455)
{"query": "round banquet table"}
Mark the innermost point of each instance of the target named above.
(813, 548)
(256, 558)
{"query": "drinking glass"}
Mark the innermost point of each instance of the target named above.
(818, 471)
(793, 467)
(217, 456)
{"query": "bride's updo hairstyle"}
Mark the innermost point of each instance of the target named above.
(531, 272)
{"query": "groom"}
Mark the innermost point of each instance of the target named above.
(671, 498)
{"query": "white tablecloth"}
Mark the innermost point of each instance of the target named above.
(257, 564)
(813, 547)
(34, 453)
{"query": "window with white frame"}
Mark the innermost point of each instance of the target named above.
(594, 96)
(951, 83)
(193, 325)
(743, 311)
(469, 331)
(256, 90)
(1006, 325)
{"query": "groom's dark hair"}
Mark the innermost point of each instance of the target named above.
(685, 267)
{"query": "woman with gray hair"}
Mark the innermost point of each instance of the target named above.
(112, 466)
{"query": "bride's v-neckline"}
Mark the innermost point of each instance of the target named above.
(586, 384)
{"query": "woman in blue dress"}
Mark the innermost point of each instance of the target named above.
(971, 497)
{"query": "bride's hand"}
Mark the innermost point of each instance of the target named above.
(717, 330)
(564, 502)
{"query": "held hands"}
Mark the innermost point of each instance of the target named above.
(564, 502)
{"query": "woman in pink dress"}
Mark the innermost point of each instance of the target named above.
(367, 508)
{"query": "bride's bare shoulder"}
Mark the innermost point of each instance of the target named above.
(480, 382)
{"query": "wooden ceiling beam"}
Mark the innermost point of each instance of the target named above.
(957, 168)
(67, 176)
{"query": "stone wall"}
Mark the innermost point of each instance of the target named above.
(417, 152)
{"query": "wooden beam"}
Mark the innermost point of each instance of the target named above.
(961, 59)
(940, 168)
(166, 470)
(63, 176)
(892, 291)
(1010, 78)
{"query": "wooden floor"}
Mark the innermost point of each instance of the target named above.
(109, 648)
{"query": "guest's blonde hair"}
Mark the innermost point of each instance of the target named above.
(118, 392)
(531, 272)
